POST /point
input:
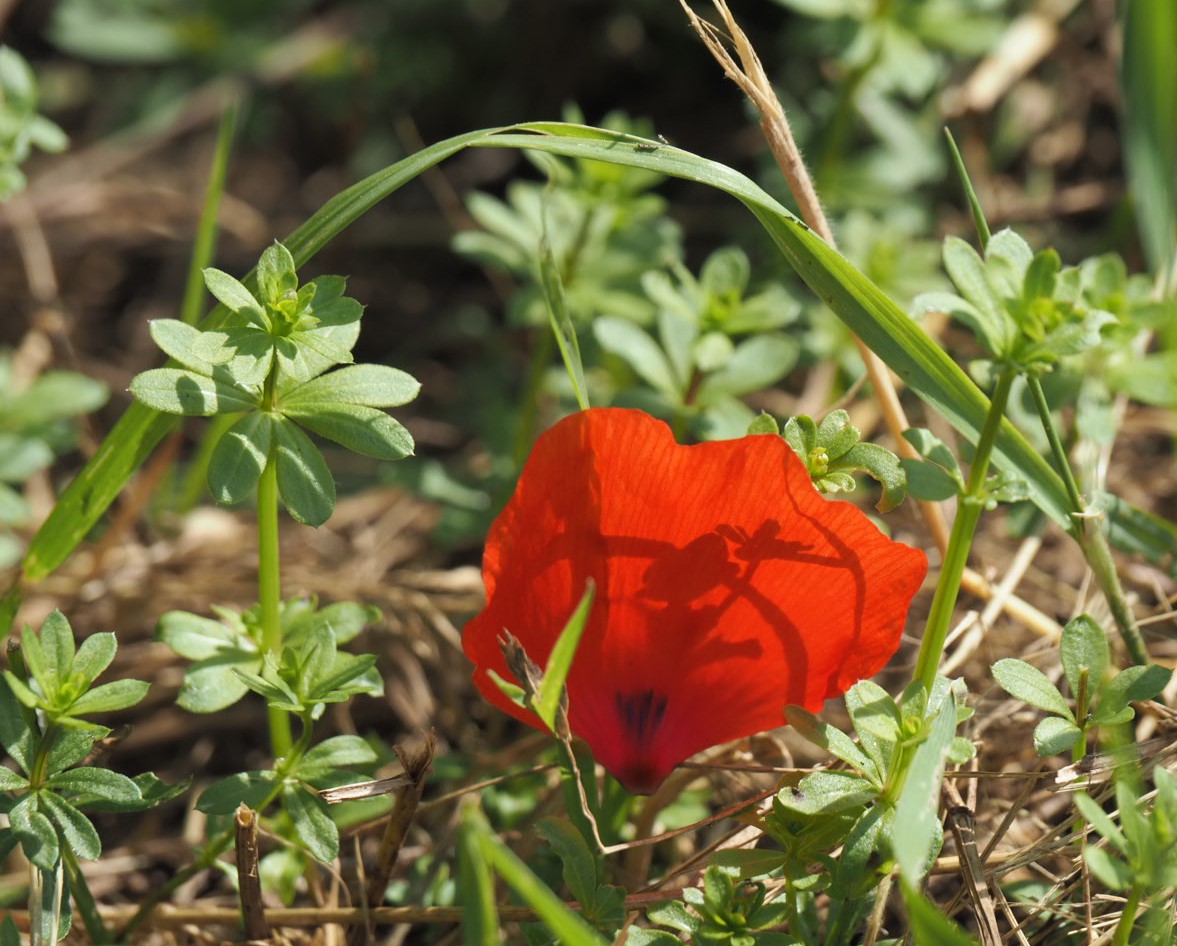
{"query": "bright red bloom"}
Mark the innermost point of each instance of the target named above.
(727, 588)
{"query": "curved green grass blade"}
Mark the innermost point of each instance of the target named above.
(1148, 76)
(879, 322)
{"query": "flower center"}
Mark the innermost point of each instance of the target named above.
(641, 713)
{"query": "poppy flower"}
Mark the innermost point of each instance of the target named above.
(727, 588)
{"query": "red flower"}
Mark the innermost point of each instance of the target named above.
(727, 588)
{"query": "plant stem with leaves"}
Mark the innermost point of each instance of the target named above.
(1089, 535)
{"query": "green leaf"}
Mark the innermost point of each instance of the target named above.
(49, 655)
(338, 752)
(1030, 685)
(243, 354)
(229, 292)
(883, 466)
(640, 351)
(213, 684)
(274, 691)
(1084, 648)
(305, 483)
(674, 914)
(560, 661)
(276, 274)
(179, 341)
(75, 828)
(93, 657)
(92, 782)
(152, 791)
(10, 781)
(109, 697)
(917, 814)
(985, 314)
(20, 458)
(363, 430)
(764, 423)
(638, 936)
(873, 711)
(21, 691)
(1054, 734)
(38, 839)
(71, 746)
(249, 788)
(1099, 819)
(179, 391)
(933, 449)
(750, 864)
(928, 481)
(833, 740)
(757, 363)
(580, 865)
(365, 385)
(1130, 685)
(194, 636)
(312, 823)
(1109, 870)
(343, 676)
(240, 457)
(56, 395)
(345, 619)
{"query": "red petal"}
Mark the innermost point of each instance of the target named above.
(727, 588)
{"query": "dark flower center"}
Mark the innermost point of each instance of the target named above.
(641, 714)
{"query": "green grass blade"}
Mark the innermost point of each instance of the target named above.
(561, 322)
(560, 660)
(962, 172)
(206, 231)
(480, 916)
(1148, 76)
(568, 928)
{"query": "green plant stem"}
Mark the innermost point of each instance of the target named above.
(960, 540)
(1091, 538)
(83, 898)
(1128, 917)
(270, 591)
